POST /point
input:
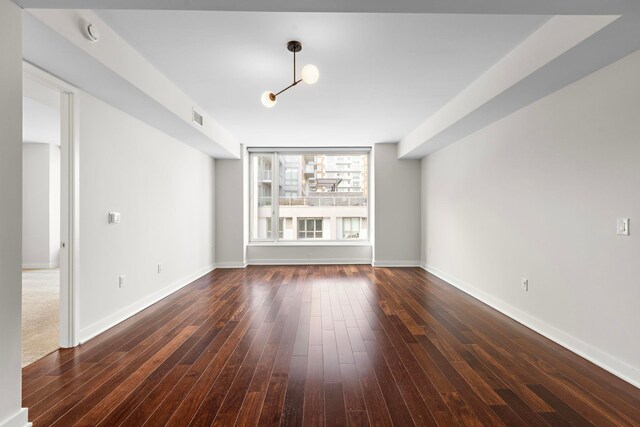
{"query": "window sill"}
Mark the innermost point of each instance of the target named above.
(314, 243)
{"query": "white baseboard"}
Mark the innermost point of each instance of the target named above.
(19, 419)
(37, 266)
(305, 261)
(396, 263)
(123, 314)
(231, 264)
(606, 361)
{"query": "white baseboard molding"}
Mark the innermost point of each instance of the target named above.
(396, 263)
(37, 266)
(19, 419)
(305, 261)
(231, 264)
(606, 361)
(123, 314)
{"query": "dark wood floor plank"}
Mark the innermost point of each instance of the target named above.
(532, 417)
(249, 412)
(322, 345)
(353, 398)
(313, 414)
(293, 406)
(374, 400)
(334, 410)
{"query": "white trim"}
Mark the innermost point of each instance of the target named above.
(37, 266)
(396, 263)
(19, 419)
(304, 261)
(606, 361)
(231, 264)
(110, 321)
(360, 243)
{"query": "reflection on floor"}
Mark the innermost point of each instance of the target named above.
(40, 313)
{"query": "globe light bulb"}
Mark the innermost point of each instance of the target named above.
(310, 74)
(268, 99)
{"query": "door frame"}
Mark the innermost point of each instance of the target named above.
(69, 204)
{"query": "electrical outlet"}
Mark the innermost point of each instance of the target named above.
(122, 281)
(524, 284)
(159, 268)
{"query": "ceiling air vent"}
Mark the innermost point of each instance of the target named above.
(197, 118)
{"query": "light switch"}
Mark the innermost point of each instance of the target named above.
(623, 226)
(114, 217)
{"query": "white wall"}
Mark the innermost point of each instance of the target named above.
(35, 205)
(54, 205)
(11, 413)
(397, 208)
(536, 195)
(309, 254)
(164, 191)
(40, 205)
(230, 218)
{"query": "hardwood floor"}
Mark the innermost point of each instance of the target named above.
(322, 345)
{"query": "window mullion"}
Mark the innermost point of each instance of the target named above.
(275, 198)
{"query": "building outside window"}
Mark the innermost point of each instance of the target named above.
(310, 196)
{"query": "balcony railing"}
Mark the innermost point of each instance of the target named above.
(324, 201)
(316, 201)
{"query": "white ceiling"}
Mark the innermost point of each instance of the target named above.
(380, 74)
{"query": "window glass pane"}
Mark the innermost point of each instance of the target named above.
(323, 188)
(309, 228)
(320, 196)
(351, 228)
(261, 176)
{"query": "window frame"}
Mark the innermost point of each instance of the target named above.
(275, 238)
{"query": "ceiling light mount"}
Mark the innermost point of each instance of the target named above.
(309, 75)
(294, 46)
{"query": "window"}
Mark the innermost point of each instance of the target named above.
(350, 228)
(309, 228)
(308, 196)
(291, 177)
(261, 171)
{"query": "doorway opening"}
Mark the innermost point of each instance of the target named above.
(48, 308)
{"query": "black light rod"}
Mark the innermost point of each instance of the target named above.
(289, 87)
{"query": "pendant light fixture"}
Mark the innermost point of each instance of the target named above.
(309, 75)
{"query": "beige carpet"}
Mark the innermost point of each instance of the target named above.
(40, 313)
